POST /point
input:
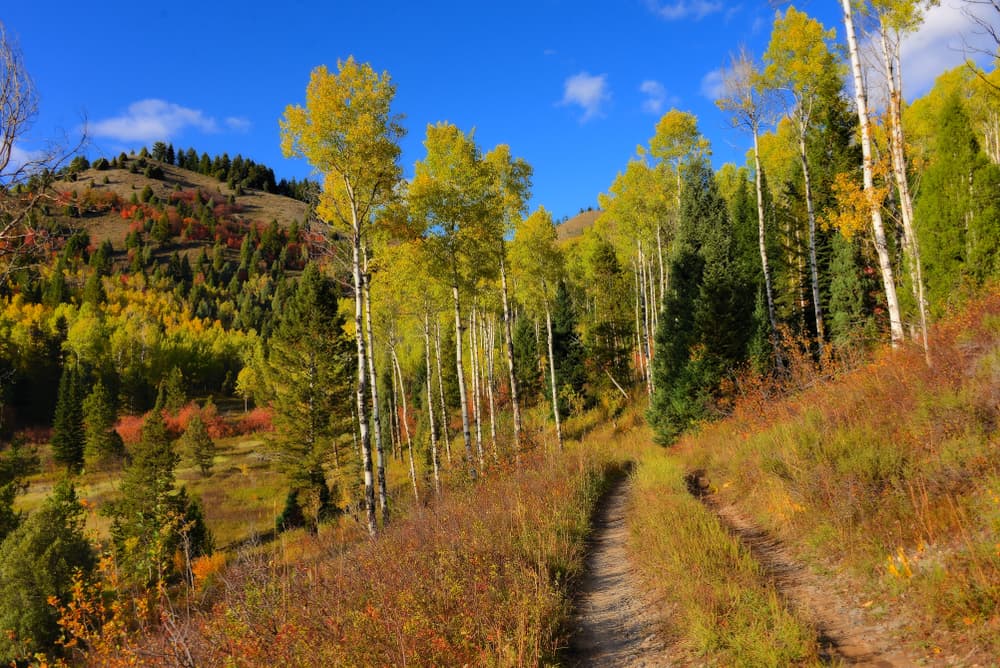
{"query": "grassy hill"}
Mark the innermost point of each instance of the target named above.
(104, 222)
(577, 225)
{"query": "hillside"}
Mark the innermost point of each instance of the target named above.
(577, 225)
(121, 184)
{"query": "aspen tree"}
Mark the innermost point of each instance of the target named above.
(347, 131)
(745, 99)
(874, 200)
(799, 62)
(538, 263)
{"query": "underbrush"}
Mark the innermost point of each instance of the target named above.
(889, 472)
(717, 603)
(480, 576)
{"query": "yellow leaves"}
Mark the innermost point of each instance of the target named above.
(854, 205)
(348, 133)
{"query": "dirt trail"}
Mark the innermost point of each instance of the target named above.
(845, 635)
(615, 625)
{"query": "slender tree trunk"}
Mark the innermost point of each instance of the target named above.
(463, 398)
(406, 425)
(444, 403)
(552, 375)
(881, 247)
(813, 264)
(762, 240)
(509, 349)
(641, 366)
(644, 301)
(477, 404)
(362, 373)
(395, 429)
(490, 336)
(659, 256)
(430, 404)
(897, 150)
(383, 500)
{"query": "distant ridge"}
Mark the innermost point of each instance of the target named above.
(575, 226)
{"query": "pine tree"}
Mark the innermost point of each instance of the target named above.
(151, 522)
(958, 213)
(707, 318)
(567, 349)
(68, 437)
(16, 463)
(309, 373)
(198, 445)
(37, 561)
(526, 356)
(102, 444)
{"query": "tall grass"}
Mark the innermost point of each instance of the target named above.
(481, 576)
(891, 473)
(718, 604)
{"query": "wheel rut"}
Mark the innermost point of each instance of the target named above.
(615, 625)
(844, 634)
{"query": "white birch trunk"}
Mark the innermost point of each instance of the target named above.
(430, 404)
(509, 348)
(489, 335)
(406, 425)
(552, 375)
(383, 500)
(463, 397)
(878, 229)
(477, 404)
(813, 264)
(897, 151)
(362, 375)
(444, 404)
(762, 241)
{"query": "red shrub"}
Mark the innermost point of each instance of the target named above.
(129, 427)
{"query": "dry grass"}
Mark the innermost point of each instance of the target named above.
(888, 474)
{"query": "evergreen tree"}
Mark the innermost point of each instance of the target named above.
(958, 213)
(37, 561)
(151, 521)
(309, 373)
(198, 445)
(707, 319)
(567, 350)
(16, 463)
(527, 353)
(102, 444)
(68, 437)
(608, 335)
(847, 310)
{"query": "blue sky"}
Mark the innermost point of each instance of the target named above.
(572, 87)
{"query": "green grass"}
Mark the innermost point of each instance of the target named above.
(722, 607)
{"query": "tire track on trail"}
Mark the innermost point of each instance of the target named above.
(845, 636)
(614, 623)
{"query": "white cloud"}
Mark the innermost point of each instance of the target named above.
(944, 41)
(656, 96)
(238, 124)
(713, 84)
(152, 120)
(587, 91)
(682, 9)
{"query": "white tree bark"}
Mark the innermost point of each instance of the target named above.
(444, 404)
(462, 394)
(383, 500)
(430, 404)
(552, 375)
(406, 424)
(867, 165)
(509, 340)
(897, 151)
